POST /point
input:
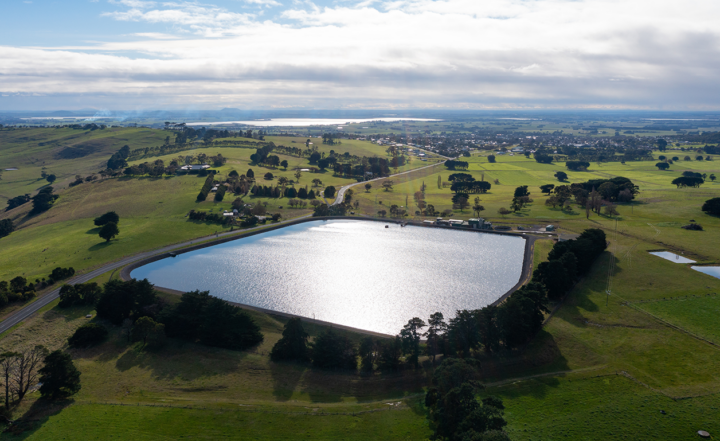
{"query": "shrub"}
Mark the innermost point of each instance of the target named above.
(87, 335)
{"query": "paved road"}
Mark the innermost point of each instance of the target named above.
(341, 192)
(27, 311)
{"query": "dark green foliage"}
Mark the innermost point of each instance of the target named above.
(555, 277)
(43, 200)
(368, 352)
(471, 186)
(331, 350)
(586, 248)
(329, 192)
(332, 210)
(220, 193)
(610, 192)
(543, 158)
(118, 159)
(410, 335)
(145, 329)
(547, 189)
(59, 377)
(463, 333)
(109, 231)
(561, 176)
(17, 201)
(455, 412)
(491, 159)
(461, 177)
(577, 165)
(6, 227)
(212, 321)
(456, 165)
(452, 373)
(61, 273)
(688, 181)
(204, 216)
(662, 165)
(390, 351)
(89, 334)
(110, 216)
(125, 299)
(80, 294)
(294, 343)
(712, 206)
(207, 186)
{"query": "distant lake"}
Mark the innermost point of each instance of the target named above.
(354, 273)
(306, 122)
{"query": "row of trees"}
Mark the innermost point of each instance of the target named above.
(457, 165)
(134, 305)
(207, 186)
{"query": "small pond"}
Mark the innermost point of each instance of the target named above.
(667, 255)
(354, 273)
(709, 270)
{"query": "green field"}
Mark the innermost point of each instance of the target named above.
(696, 314)
(565, 384)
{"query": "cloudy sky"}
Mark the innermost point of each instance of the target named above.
(328, 54)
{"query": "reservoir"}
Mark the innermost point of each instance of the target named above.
(353, 273)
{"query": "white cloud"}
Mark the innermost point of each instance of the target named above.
(454, 53)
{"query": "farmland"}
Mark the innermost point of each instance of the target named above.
(614, 359)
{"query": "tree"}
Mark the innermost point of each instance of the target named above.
(284, 164)
(145, 328)
(662, 144)
(504, 211)
(26, 370)
(329, 191)
(298, 175)
(8, 364)
(547, 189)
(712, 206)
(662, 165)
(50, 178)
(368, 352)
(89, 334)
(561, 176)
(125, 299)
(294, 343)
(410, 335)
(368, 186)
(6, 227)
(79, 294)
(390, 351)
(436, 330)
(109, 231)
(59, 377)
(268, 176)
(388, 185)
(699, 158)
(110, 216)
(333, 351)
(491, 159)
(43, 200)
(250, 174)
(712, 178)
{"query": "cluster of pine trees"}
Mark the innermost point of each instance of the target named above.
(207, 186)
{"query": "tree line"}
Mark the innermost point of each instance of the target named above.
(134, 305)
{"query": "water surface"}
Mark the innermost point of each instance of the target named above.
(354, 273)
(305, 122)
(667, 255)
(709, 270)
